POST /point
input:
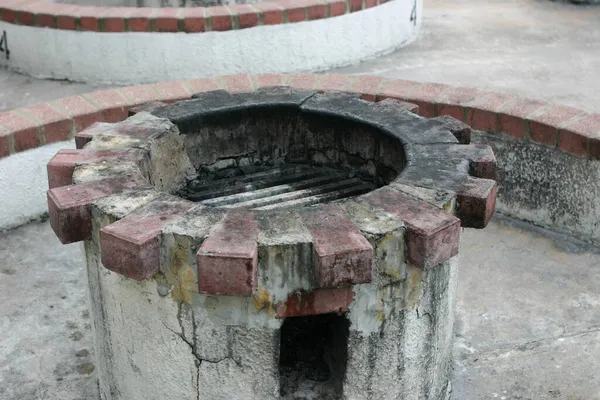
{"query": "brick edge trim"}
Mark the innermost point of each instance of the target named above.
(190, 19)
(560, 127)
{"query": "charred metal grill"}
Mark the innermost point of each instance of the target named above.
(280, 187)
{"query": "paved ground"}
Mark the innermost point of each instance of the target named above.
(533, 48)
(528, 318)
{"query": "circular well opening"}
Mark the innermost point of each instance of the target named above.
(272, 157)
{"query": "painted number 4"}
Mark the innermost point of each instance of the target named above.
(4, 45)
(413, 14)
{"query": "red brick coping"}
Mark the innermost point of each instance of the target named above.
(567, 129)
(191, 19)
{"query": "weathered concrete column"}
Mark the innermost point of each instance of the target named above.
(266, 244)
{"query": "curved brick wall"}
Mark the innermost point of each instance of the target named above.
(190, 20)
(126, 45)
(548, 150)
(565, 128)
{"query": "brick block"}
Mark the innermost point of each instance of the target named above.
(228, 258)
(248, 16)
(237, 83)
(271, 12)
(451, 102)
(82, 112)
(460, 130)
(85, 136)
(67, 16)
(367, 86)
(294, 9)
(342, 254)
(89, 18)
(573, 142)
(61, 167)
(131, 245)
(432, 235)
(127, 129)
(25, 132)
(321, 301)
(336, 7)
(26, 14)
(220, 18)
(112, 103)
(303, 81)
(397, 89)
(69, 206)
(264, 80)
(425, 96)
(146, 107)
(45, 15)
(172, 91)
(5, 147)
(194, 19)
(203, 85)
(544, 126)
(512, 117)
(355, 5)
(55, 126)
(139, 94)
(577, 136)
(476, 202)
(334, 82)
(594, 148)
(482, 113)
(114, 19)
(167, 19)
(139, 19)
(315, 9)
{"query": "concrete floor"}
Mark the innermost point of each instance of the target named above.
(528, 312)
(527, 327)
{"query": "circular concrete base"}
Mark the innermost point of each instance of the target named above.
(126, 57)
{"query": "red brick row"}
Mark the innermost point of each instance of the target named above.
(191, 19)
(565, 128)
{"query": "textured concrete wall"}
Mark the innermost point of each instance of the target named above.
(148, 345)
(409, 351)
(546, 187)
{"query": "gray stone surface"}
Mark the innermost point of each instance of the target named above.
(535, 48)
(17, 90)
(528, 312)
(566, 187)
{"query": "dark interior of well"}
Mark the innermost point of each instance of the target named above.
(311, 158)
(313, 356)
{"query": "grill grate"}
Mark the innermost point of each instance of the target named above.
(285, 186)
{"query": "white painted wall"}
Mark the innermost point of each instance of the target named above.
(141, 57)
(23, 184)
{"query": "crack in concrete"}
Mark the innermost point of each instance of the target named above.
(193, 345)
(502, 351)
